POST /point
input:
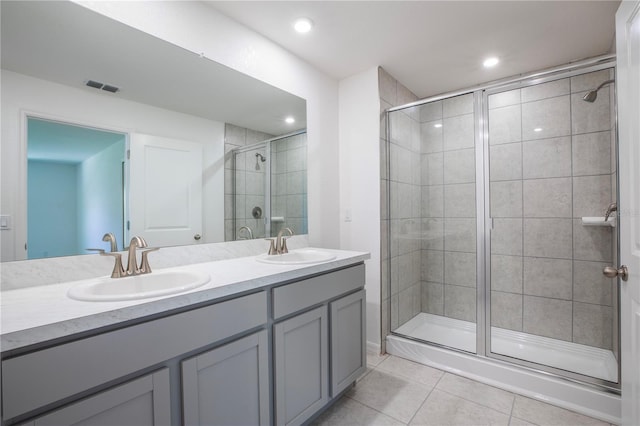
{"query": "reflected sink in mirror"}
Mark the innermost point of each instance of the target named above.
(160, 283)
(297, 257)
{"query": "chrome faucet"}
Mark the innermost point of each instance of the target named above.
(132, 266)
(112, 239)
(279, 245)
(613, 207)
(248, 232)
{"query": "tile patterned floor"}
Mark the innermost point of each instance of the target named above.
(395, 391)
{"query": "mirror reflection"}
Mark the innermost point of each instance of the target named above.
(106, 129)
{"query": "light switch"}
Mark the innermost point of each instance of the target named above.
(5, 221)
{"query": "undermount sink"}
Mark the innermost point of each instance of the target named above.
(160, 283)
(297, 257)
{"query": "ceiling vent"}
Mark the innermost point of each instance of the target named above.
(98, 85)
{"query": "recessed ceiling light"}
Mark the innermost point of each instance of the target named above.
(491, 62)
(303, 25)
(289, 120)
(537, 129)
(437, 125)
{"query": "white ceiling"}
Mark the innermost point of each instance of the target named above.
(69, 44)
(433, 46)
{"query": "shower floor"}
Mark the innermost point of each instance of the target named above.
(574, 357)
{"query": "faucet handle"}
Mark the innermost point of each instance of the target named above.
(283, 246)
(272, 246)
(118, 269)
(144, 262)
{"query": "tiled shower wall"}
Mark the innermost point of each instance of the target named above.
(289, 184)
(249, 181)
(393, 93)
(552, 161)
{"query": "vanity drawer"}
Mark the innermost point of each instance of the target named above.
(40, 378)
(300, 295)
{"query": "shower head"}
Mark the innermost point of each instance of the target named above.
(262, 159)
(593, 94)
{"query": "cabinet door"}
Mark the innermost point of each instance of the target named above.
(301, 366)
(228, 385)
(348, 356)
(144, 401)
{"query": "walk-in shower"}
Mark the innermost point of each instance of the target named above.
(497, 232)
(268, 188)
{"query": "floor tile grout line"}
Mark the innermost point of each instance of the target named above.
(376, 410)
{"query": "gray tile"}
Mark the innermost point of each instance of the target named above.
(505, 162)
(547, 317)
(457, 105)
(433, 234)
(552, 116)
(547, 197)
(506, 310)
(460, 166)
(432, 169)
(431, 111)
(591, 154)
(548, 277)
(395, 323)
(405, 96)
(506, 199)
(432, 266)
(405, 306)
(408, 271)
(412, 371)
(460, 268)
(589, 81)
(432, 201)
(592, 242)
(460, 200)
(505, 125)
(234, 135)
(587, 117)
(458, 132)
(460, 234)
(546, 90)
(479, 393)
(506, 237)
(545, 414)
(442, 408)
(548, 238)
(593, 325)
(591, 195)
(506, 273)
(387, 86)
(590, 285)
(431, 137)
(546, 158)
(349, 412)
(401, 129)
(512, 97)
(393, 396)
(433, 298)
(460, 303)
(519, 422)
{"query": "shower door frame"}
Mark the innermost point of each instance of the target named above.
(485, 222)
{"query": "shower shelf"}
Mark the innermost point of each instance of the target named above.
(599, 221)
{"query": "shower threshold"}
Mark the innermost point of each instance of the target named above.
(574, 357)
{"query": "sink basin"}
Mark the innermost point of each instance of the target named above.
(298, 257)
(155, 284)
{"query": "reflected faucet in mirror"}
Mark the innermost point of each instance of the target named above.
(247, 231)
(109, 237)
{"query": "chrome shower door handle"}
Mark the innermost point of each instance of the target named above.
(611, 272)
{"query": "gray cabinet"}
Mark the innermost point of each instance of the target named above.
(348, 336)
(228, 385)
(301, 366)
(143, 401)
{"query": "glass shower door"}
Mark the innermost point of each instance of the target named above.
(552, 175)
(432, 216)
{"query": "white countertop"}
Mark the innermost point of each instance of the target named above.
(34, 315)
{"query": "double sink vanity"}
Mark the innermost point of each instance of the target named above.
(247, 341)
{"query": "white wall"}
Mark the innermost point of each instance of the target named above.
(22, 94)
(199, 28)
(359, 112)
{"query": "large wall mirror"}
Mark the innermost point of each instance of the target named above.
(107, 129)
